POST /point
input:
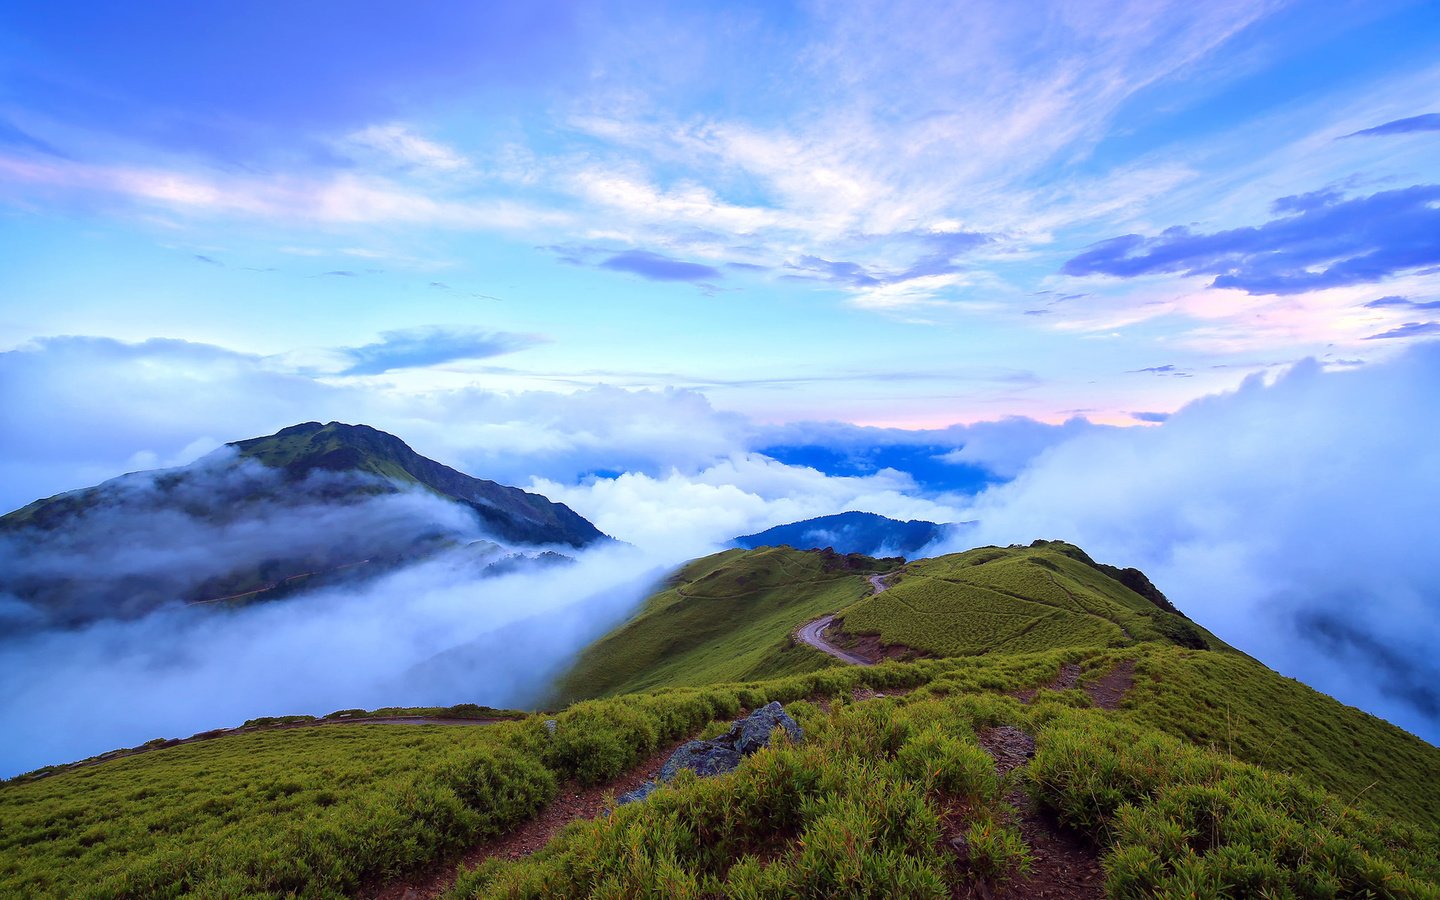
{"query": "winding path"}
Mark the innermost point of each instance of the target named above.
(812, 633)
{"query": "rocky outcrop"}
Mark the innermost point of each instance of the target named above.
(722, 754)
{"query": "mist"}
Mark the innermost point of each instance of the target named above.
(149, 539)
(406, 639)
(1295, 518)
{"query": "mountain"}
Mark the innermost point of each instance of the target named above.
(1045, 730)
(725, 617)
(507, 513)
(731, 616)
(851, 532)
(311, 505)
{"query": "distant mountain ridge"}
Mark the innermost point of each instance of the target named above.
(508, 513)
(312, 505)
(851, 532)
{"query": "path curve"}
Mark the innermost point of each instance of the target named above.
(810, 633)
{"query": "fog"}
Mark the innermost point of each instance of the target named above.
(69, 694)
(155, 538)
(1294, 518)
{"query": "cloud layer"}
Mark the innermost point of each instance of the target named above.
(1321, 241)
(1294, 519)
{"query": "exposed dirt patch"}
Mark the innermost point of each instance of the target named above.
(863, 692)
(1109, 689)
(1011, 747)
(1063, 864)
(869, 646)
(1068, 677)
(571, 803)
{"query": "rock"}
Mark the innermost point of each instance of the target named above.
(753, 732)
(639, 793)
(723, 754)
(704, 758)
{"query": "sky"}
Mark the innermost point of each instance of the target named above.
(1161, 278)
(909, 215)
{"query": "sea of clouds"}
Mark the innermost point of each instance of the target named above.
(1293, 516)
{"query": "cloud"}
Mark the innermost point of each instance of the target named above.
(1402, 303)
(656, 267)
(148, 539)
(682, 515)
(1321, 241)
(1408, 330)
(1149, 416)
(431, 634)
(398, 144)
(1265, 511)
(1426, 122)
(418, 347)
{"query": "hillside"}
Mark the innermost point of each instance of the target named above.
(725, 617)
(1016, 599)
(310, 506)
(507, 513)
(851, 532)
(874, 802)
(1122, 760)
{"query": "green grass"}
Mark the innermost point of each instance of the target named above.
(321, 811)
(727, 617)
(1017, 599)
(1215, 778)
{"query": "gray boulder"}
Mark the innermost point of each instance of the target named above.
(723, 754)
(704, 758)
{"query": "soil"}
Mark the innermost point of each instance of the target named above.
(1068, 677)
(571, 803)
(869, 646)
(1064, 865)
(1109, 689)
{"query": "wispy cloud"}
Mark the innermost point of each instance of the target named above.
(1320, 241)
(1426, 122)
(1408, 330)
(418, 347)
(658, 267)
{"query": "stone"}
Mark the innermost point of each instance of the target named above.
(723, 754)
(704, 758)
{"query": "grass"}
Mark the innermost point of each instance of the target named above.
(1216, 777)
(1016, 599)
(726, 617)
(318, 812)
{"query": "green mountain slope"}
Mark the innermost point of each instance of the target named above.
(870, 804)
(507, 512)
(1201, 774)
(261, 519)
(1016, 599)
(725, 617)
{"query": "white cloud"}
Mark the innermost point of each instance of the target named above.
(1293, 518)
(398, 143)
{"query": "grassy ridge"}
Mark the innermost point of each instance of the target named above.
(725, 617)
(321, 811)
(1016, 599)
(860, 808)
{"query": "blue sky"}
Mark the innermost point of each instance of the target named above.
(900, 214)
(701, 269)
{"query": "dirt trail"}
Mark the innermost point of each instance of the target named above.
(572, 803)
(812, 633)
(1106, 692)
(1063, 864)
